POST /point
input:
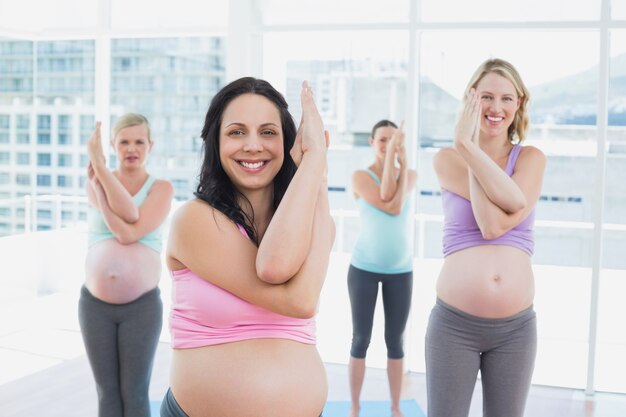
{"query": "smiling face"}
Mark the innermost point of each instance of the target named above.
(381, 138)
(132, 145)
(251, 142)
(499, 103)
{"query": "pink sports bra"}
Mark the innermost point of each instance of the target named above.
(204, 314)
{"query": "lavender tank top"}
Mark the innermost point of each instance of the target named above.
(461, 231)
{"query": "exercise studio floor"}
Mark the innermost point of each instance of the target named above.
(67, 390)
(44, 372)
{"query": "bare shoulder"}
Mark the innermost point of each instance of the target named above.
(530, 159)
(532, 153)
(360, 175)
(201, 237)
(197, 217)
(192, 211)
(163, 185)
(362, 181)
(162, 190)
(447, 158)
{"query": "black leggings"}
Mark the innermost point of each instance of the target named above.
(363, 290)
(121, 340)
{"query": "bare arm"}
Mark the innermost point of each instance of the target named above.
(492, 220)
(287, 240)
(205, 241)
(389, 182)
(305, 287)
(117, 197)
(152, 212)
(365, 187)
(498, 186)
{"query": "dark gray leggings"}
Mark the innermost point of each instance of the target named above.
(169, 406)
(459, 344)
(121, 340)
(363, 290)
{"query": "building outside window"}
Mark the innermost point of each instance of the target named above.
(43, 159)
(22, 158)
(64, 181)
(22, 179)
(64, 160)
(43, 180)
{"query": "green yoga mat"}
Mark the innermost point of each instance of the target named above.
(372, 409)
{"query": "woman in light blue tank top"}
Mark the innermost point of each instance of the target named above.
(383, 254)
(120, 308)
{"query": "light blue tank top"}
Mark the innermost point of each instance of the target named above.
(384, 245)
(98, 230)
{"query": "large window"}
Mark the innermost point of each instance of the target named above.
(281, 12)
(509, 10)
(358, 78)
(611, 348)
(400, 60)
(172, 91)
(360, 75)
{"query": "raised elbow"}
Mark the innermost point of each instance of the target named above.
(385, 196)
(273, 273)
(517, 206)
(304, 309)
(132, 217)
(126, 238)
(491, 233)
(391, 209)
(129, 215)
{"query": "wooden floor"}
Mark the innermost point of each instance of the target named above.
(67, 390)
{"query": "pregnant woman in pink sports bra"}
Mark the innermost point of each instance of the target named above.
(248, 258)
(484, 319)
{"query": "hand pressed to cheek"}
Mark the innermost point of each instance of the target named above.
(468, 126)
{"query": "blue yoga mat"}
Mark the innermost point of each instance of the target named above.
(372, 409)
(155, 408)
(341, 408)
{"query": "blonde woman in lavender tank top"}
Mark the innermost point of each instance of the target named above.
(483, 319)
(248, 259)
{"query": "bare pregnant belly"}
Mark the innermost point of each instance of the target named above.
(118, 274)
(491, 281)
(251, 378)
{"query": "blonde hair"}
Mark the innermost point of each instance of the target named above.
(519, 127)
(129, 120)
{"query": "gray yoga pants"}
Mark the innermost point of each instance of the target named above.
(121, 340)
(459, 344)
(363, 290)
